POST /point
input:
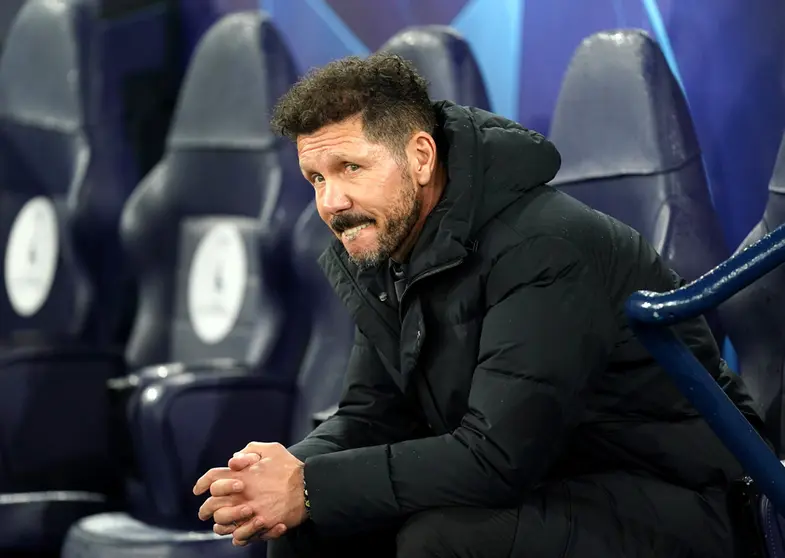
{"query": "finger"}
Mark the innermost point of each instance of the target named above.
(261, 447)
(224, 529)
(228, 515)
(241, 461)
(274, 533)
(213, 504)
(248, 529)
(226, 487)
(209, 477)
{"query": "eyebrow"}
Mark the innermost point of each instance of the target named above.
(331, 158)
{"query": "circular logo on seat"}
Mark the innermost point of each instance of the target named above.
(216, 283)
(31, 256)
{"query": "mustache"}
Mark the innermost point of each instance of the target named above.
(342, 222)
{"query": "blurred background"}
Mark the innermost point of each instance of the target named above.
(162, 304)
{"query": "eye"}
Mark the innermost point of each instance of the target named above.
(317, 178)
(351, 167)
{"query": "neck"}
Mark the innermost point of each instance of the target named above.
(432, 193)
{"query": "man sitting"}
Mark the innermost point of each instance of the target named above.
(496, 402)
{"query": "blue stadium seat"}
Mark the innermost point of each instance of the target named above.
(221, 159)
(445, 59)
(60, 205)
(629, 149)
(755, 319)
(222, 324)
(320, 379)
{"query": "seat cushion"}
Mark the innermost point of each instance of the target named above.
(39, 521)
(118, 535)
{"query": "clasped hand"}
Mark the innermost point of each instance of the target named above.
(260, 494)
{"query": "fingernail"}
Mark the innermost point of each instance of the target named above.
(237, 486)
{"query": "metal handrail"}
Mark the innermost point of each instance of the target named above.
(651, 313)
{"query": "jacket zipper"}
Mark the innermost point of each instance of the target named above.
(425, 385)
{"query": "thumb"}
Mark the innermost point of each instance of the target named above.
(241, 461)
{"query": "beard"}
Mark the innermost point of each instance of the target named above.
(401, 219)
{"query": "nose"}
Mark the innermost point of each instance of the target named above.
(334, 198)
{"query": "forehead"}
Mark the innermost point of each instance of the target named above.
(334, 141)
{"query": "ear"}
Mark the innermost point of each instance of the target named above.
(422, 154)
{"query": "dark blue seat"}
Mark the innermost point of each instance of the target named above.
(445, 59)
(60, 204)
(755, 319)
(629, 149)
(320, 380)
(221, 159)
(222, 324)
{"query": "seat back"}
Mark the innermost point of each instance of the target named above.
(755, 319)
(222, 161)
(629, 149)
(320, 379)
(443, 57)
(222, 304)
(60, 202)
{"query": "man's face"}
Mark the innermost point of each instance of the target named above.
(363, 192)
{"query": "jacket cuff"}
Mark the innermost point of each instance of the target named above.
(350, 490)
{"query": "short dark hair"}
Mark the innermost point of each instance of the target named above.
(384, 89)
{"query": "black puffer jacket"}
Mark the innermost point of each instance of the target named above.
(510, 360)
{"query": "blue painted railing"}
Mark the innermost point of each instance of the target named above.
(650, 314)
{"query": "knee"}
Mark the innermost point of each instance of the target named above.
(426, 535)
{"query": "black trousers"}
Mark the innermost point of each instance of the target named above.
(602, 516)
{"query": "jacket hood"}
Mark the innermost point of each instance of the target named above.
(491, 162)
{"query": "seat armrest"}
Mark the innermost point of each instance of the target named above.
(127, 389)
(189, 422)
(125, 392)
(144, 375)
